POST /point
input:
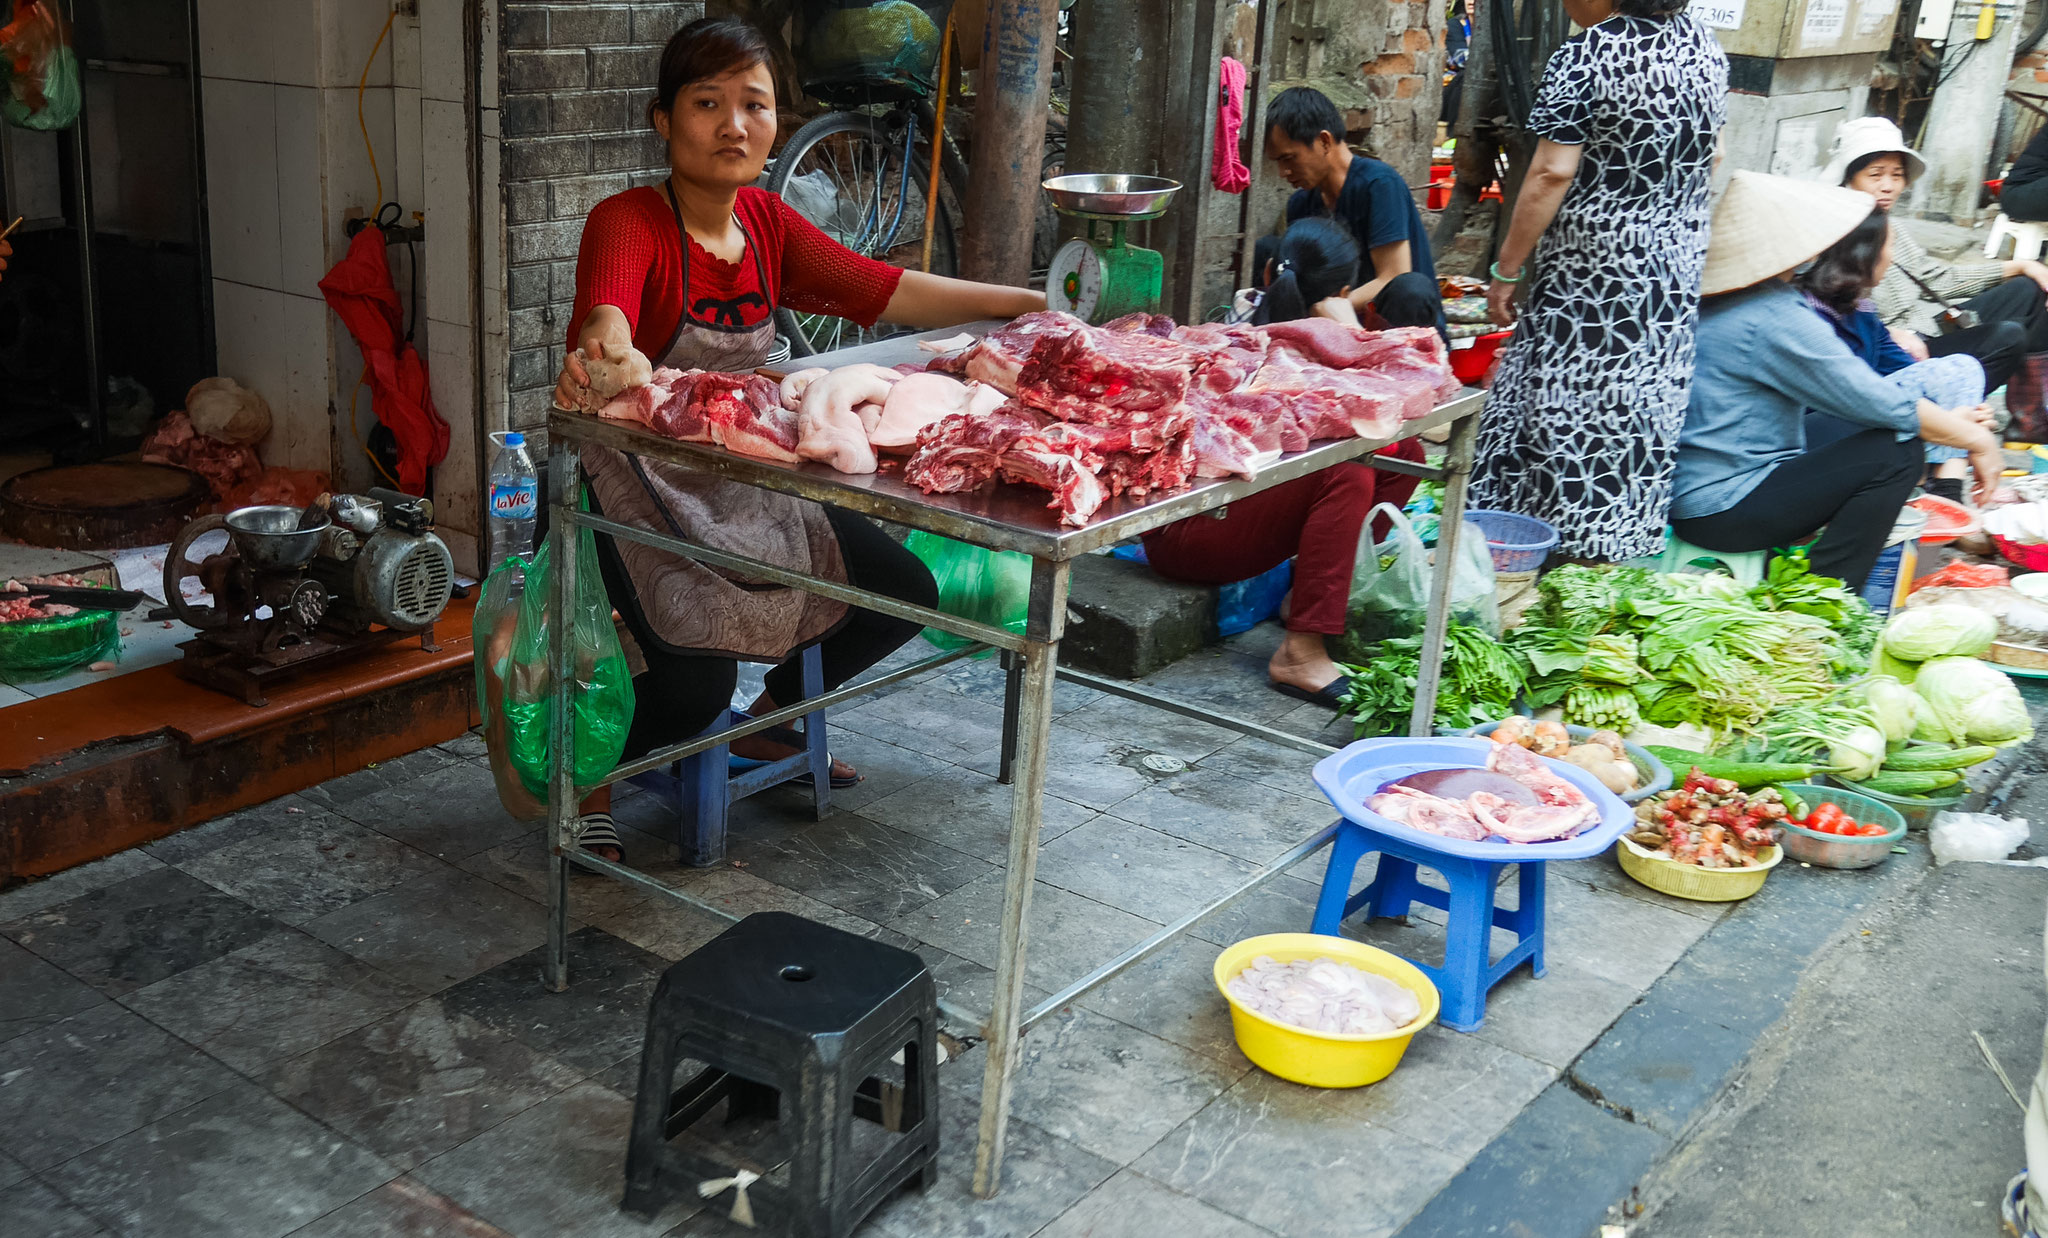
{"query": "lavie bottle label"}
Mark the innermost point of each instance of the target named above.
(513, 500)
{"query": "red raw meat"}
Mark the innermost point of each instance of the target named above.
(681, 416)
(223, 465)
(1228, 355)
(745, 414)
(1076, 492)
(1331, 403)
(1000, 354)
(1416, 354)
(963, 451)
(1143, 323)
(1106, 377)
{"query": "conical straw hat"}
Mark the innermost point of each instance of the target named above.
(1765, 225)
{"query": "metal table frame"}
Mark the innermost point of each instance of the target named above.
(1031, 658)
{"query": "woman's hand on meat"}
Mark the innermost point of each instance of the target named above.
(1910, 341)
(604, 333)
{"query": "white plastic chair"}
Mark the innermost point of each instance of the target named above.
(2027, 239)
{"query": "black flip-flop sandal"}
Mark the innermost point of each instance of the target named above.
(1330, 694)
(794, 739)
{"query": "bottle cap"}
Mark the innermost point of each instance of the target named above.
(515, 439)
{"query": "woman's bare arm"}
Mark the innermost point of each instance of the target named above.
(1543, 189)
(923, 300)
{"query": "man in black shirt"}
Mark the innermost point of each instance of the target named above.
(2025, 194)
(1396, 275)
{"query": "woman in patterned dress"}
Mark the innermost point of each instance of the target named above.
(1583, 420)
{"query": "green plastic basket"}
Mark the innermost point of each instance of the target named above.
(36, 649)
(1918, 810)
(1835, 850)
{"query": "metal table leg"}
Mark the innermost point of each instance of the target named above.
(1038, 662)
(1013, 688)
(563, 489)
(1450, 526)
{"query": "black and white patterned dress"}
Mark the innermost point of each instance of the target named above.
(1582, 424)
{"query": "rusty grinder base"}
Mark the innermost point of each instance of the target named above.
(240, 673)
(110, 505)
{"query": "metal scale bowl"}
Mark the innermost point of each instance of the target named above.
(1099, 278)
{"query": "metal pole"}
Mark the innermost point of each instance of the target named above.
(88, 280)
(562, 538)
(1457, 467)
(1012, 87)
(1005, 1020)
(931, 190)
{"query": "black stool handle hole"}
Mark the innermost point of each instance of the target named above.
(796, 972)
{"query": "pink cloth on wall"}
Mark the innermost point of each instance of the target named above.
(1226, 169)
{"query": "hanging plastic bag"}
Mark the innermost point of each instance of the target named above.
(987, 586)
(1390, 585)
(38, 70)
(493, 630)
(601, 701)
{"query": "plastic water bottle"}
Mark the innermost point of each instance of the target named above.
(514, 501)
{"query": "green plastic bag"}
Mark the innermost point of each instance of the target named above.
(493, 629)
(987, 586)
(601, 701)
(60, 93)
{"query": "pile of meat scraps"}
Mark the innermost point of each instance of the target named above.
(1087, 413)
(19, 602)
(1546, 807)
(224, 465)
(1324, 995)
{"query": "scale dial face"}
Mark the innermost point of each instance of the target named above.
(1075, 280)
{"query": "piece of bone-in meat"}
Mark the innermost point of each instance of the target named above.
(745, 414)
(611, 375)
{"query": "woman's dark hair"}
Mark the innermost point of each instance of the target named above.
(1863, 161)
(1302, 112)
(1318, 259)
(1265, 253)
(1846, 271)
(1655, 10)
(706, 48)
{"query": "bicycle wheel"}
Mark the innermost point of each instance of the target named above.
(845, 172)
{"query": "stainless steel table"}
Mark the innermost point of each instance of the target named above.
(1004, 517)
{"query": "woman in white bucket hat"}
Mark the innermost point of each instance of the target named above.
(2008, 298)
(1746, 477)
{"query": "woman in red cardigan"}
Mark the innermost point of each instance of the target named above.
(689, 273)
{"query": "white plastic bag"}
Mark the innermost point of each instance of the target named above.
(1390, 584)
(1975, 836)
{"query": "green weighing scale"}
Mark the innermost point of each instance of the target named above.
(1097, 279)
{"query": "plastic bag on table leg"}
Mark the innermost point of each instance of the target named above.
(601, 700)
(987, 586)
(493, 631)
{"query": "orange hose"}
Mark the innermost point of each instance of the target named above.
(931, 194)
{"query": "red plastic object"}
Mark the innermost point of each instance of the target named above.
(1440, 194)
(2033, 558)
(1472, 364)
(1441, 172)
(1996, 187)
(1947, 520)
(1960, 575)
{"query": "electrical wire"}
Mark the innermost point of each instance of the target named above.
(362, 85)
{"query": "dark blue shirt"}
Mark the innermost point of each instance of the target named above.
(1377, 206)
(1866, 335)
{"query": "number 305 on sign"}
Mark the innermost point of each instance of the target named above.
(1718, 14)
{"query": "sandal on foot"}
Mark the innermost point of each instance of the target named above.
(1330, 694)
(597, 829)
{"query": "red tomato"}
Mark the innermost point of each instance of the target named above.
(1826, 817)
(1873, 831)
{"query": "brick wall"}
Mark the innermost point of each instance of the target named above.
(574, 84)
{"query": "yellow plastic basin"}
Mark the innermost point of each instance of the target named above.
(1702, 885)
(1313, 1058)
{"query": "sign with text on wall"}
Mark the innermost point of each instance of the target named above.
(1825, 21)
(1718, 14)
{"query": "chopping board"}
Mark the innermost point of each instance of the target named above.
(105, 506)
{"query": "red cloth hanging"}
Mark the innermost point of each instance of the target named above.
(360, 291)
(1226, 169)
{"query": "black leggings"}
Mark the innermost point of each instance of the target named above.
(1854, 485)
(2013, 322)
(681, 694)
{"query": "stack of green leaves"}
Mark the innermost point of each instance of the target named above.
(1481, 680)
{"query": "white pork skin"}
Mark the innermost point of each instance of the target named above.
(829, 429)
(610, 376)
(921, 399)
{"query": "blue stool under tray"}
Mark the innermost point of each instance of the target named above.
(1466, 974)
(704, 787)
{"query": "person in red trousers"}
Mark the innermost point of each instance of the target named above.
(1316, 520)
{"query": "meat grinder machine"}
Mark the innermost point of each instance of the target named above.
(297, 588)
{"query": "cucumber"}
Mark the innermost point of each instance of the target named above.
(1794, 806)
(1918, 760)
(1745, 774)
(1911, 783)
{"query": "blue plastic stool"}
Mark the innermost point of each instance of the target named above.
(1466, 975)
(704, 787)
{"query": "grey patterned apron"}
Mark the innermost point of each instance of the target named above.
(691, 608)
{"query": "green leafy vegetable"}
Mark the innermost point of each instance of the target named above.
(1481, 679)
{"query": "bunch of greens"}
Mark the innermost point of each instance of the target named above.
(1790, 585)
(1481, 679)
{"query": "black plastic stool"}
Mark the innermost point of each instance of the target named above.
(798, 1024)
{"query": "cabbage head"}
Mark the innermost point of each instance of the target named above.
(1883, 663)
(1964, 699)
(1939, 631)
(1897, 708)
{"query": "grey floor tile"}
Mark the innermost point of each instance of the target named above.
(35, 993)
(1172, 994)
(439, 928)
(451, 812)
(928, 718)
(468, 746)
(34, 896)
(663, 927)
(301, 875)
(1068, 935)
(1104, 1085)
(138, 931)
(1224, 682)
(971, 813)
(1615, 936)
(283, 815)
(271, 1001)
(1283, 904)
(963, 984)
(1226, 814)
(558, 1168)
(885, 768)
(1131, 1205)
(1453, 1091)
(1141, 870)
(242, 1163)
(401, 1208)
(1042, 1176)
(1268, 764)
(1319, 723)
(11, 1170)
(1294, 1160)
(982, 680)
(94, 1077)
(1553, 1019)
(32, 1209)
(739, 893)
(1257, 642)
(381, 776)
(413, 1085)
(1081, 767)
(521, 866)
(1604, 872)
(856, 865)
(600, 1018)
(1149, 729)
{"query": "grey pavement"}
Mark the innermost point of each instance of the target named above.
(322, 1016)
